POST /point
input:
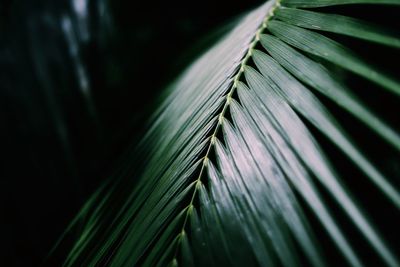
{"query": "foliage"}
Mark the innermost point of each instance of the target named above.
(233, 172)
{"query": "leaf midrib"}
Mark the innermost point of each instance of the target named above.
(221, 116)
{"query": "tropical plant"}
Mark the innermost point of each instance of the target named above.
(233, 170)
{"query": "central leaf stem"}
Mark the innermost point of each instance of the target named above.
(236, 79)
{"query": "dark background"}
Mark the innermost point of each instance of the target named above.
(76, 86)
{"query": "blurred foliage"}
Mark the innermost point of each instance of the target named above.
(74, 92)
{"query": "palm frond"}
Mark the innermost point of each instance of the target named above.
(338, 24)
(231, 167)
(322, 3)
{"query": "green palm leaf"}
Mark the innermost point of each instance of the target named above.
(230, 171)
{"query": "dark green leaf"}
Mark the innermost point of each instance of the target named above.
(321, 3)
(330, 50)
(337, 24)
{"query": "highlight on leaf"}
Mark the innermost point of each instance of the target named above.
(232, 171)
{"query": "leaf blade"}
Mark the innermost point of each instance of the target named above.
(322, 3)
(332, 51)
(337, 24)
(316, 76)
